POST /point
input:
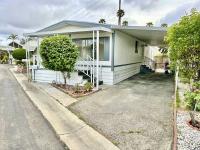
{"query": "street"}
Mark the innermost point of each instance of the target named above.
(22, 127)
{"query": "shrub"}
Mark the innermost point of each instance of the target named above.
(196, 85)
(19, 62)
(192, 100)
(19, 54)
(184, 44)
(88, 87)
(77, 88)
(5, 59)
(59, 53)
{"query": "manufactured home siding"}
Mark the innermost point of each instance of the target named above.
(48, 76)
(107, 75)
(126, 61)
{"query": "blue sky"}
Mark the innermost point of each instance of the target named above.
(21, 16)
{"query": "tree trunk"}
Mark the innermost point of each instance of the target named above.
(65, 78)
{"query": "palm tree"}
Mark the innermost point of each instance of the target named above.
(22, 41)
(164, 25)
(120, 13)
(102, 21)
(13, 37)
(125, 23)
(149, 24)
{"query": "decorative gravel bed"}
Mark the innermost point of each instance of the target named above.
(188, 137)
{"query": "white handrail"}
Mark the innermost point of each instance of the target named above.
(87, 65)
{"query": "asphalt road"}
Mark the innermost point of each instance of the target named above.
(22, 127)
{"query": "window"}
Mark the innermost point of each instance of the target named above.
(85, 47)
(136, 46)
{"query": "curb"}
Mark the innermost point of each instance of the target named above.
(84, 138)
(48, 123)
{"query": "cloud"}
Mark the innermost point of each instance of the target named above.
(147, 4)
(21, 16)
(176, 14)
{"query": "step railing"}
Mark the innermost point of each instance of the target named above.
(149, 63)
(88, 67)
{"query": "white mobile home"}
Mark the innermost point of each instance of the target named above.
(108, 53)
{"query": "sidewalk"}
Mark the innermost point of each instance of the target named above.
(72, 131)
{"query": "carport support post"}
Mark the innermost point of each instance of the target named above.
(38, 52)
(26, 40)
(97, 51)
(28, 53)
(93, 65)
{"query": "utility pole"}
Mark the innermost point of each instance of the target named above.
(119, 19)
(120, 13)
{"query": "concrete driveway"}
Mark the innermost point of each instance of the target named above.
(134, 114)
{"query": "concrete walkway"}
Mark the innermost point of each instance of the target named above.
(71, 130)
(22, 126)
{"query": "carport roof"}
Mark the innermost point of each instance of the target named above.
(150, 35)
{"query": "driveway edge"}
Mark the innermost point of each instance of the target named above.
(72, 131)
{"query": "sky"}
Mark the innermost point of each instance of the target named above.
(23, 16)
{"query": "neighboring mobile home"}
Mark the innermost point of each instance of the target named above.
(118, 51)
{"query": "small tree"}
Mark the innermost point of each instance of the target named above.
(59, 53)
(19, 54)
(125, 23)
(183, 39)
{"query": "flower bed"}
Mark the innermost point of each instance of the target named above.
(75, 91)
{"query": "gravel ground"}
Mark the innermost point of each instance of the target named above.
(188, 138)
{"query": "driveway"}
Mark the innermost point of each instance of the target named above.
(22, 127)
(134, 114)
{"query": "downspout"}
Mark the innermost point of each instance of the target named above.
(113, 50)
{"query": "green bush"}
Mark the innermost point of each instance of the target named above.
(192, 100)
(59, 53)
(19, 62)
(19, 54)
(5, 59)
(196, 85)
(185, 80)
(88, 87)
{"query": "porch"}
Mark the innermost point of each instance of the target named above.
(95, 49)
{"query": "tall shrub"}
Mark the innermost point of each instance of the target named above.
(183, 39)
(59, 53)
(19, 54)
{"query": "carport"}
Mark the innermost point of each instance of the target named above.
(153, 36)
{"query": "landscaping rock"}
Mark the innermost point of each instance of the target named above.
(188, 137)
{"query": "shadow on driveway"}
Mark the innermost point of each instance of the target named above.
(134, 114)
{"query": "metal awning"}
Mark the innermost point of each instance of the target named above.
(151, 35)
